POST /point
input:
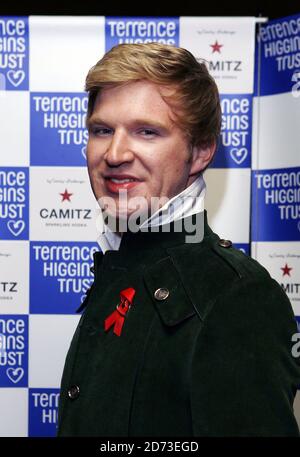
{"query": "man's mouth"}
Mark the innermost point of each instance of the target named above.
(114, 184)
(121, 180)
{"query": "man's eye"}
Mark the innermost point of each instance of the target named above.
(103, 131)
(148, 132)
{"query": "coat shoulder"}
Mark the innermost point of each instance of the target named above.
(226, 255)
(220, 257)
(214, 268)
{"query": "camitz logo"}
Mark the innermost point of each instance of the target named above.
(65, 196)
(65, 213)
(6, 287)
(289, 287)
(216, 47)
(286, 270)
(222, 65)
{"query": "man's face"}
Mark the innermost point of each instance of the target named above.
(132, 135)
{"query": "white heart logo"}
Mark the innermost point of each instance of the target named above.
(16, 227)
(15, 77)
(238, 155)
(15, 374)
(83, 152)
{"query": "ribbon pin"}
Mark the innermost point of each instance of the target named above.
(117, 317)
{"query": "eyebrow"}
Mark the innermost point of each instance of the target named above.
(97, 120)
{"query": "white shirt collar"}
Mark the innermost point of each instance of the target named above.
(189, 201)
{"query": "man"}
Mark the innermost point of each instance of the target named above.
(181, 334)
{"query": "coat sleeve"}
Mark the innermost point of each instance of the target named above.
(243, 374)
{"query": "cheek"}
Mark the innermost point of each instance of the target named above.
(93, 159)
(90, 165)
(89, 154)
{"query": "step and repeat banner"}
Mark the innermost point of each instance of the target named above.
(48, 213)
(275, 180)
(275, 213)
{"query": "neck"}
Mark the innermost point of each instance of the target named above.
(183, 205)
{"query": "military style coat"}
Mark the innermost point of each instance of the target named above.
(205, 348)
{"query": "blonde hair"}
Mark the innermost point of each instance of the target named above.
(195, 99)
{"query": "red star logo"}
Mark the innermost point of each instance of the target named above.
(286, 270)
(65, 196)
(216, 47)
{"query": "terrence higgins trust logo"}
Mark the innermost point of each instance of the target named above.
(236, 128)
(14, 203)
(141, 30)
(14, 351)
(14, 42)
(58, 123)
(60, 274)
(43, 411)
(280, 56)
(276, 205)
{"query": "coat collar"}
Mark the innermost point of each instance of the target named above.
(149, 242)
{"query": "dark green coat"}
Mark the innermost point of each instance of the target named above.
(212, 359)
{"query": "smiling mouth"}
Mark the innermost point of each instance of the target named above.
(115, 184)
(118, 181)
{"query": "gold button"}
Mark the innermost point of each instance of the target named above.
(225, 243)
(162, 293)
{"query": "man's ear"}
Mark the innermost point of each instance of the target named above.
(201, 157)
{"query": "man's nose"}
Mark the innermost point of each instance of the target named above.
(118, 150)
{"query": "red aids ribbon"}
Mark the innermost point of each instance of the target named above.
(118, 316)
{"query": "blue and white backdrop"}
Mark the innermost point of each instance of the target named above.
(47, 211)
